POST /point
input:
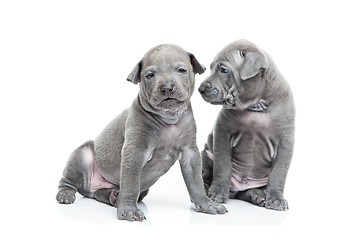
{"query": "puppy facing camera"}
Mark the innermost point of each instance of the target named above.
(140, 145)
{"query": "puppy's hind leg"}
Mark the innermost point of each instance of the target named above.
(109, 195)
(75, 174)
(207, 167)
(207, 158)
(256, 196)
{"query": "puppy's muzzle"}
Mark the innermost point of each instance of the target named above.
(167, 89)
(169, 94)
(207, 91)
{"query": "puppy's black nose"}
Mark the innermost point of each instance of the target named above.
(202, 89)
(204, 86)
(167, 89)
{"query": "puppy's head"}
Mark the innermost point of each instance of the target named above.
(236, 76)
(166, 75)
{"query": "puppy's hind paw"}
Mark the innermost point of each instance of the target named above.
(258, 197)
(66, 196)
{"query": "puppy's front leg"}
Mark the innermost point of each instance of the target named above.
(191, 169)
(278, 173)
(220, 186)
(132, 162)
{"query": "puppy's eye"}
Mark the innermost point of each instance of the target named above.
(150, 75)
(242, 53)
(182, 70)
(224, 70)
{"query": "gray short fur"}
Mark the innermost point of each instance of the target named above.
(143, 142)
(249, 151)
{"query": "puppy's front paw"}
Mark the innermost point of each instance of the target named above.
(130, 214)
(66, 195)
(210, 207)
(218, 193)
(276, 203)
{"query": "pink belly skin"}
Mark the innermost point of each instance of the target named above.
(94, 180)
(244, 183)
(241, 183)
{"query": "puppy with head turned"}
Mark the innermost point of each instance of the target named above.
(248, 152)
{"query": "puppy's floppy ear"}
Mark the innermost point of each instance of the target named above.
(134, 76)
(197, 67)
(253, 63)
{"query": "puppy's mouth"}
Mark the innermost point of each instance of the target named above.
(170, 100)
(227, 101)
(214, 102)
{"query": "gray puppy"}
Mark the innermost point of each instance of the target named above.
(248, 154)
(143, 142)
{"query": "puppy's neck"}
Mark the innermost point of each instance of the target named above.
(274, 91)
(260, 106)
(277, 89)
(170, 117)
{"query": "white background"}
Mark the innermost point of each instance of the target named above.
(63, 69)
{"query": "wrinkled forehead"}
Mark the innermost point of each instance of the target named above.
(166, 56)
(230, 56)
(231, 53)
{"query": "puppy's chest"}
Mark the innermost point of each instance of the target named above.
(254, 121)
(255, 138)
(160, 161)
(169, 144)
(170, 135)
